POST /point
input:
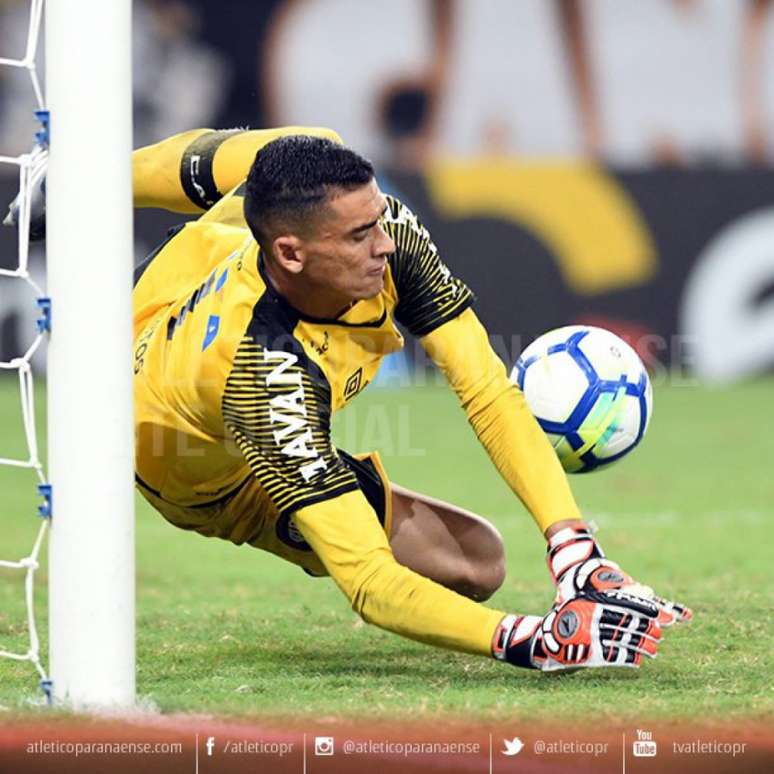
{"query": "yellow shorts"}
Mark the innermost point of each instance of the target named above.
(247, 515)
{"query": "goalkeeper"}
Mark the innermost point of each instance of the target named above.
(259, 320)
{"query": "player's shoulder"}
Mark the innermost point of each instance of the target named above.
(399, 214)
(411, 237)
(427, 292)
(207, 237)
(214, 231)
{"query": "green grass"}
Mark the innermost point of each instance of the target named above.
(229, 630)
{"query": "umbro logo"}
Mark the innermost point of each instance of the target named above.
(354, 384)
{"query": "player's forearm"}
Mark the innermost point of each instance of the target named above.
(191, 171)
(346, 536)
(525, 459)
(502, 420)
(397, 599)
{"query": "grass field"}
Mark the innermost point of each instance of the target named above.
(228, 630)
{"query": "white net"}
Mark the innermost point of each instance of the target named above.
(30, 166)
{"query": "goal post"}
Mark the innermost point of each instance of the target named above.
(90, 428)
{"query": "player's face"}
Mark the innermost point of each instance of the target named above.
(347, 253)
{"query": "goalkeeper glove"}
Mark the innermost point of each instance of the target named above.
(579, 566)
(37, 181)
(596, 629)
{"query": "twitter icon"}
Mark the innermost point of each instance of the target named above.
(513, 746)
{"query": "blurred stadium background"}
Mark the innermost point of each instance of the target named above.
(597, 161)
(575, 160)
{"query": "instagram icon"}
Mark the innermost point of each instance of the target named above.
(323, 745)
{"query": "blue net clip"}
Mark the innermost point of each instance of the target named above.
(44, 321)
(43, 135)
(47, 686)
(46, 509)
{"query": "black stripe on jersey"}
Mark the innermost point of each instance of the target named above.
(274, 445)
(196, 175)
(428, 295)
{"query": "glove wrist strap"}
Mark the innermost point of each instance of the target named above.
(569, 547)
(515, 640)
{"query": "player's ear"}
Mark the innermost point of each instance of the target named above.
(287, 252)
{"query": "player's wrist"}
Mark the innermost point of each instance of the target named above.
(578, 565)
(517, 641)
(569, 547)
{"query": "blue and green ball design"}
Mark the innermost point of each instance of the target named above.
(590, 393)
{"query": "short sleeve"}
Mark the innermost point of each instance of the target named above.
(428, 294)
(276, 404)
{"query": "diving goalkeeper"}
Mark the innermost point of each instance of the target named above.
(272, 311)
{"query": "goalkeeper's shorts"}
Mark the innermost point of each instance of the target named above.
(247, 515)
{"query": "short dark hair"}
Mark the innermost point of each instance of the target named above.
(292, 176)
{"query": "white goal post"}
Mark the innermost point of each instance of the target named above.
(90, 439)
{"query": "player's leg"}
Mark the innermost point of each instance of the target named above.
(447, 544)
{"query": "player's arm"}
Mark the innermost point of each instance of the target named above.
(499, 414)
(589, 631)
(276, 406)
(192, 171)
(347, 537)
(436, 307)
(188, 173)
(501, 419)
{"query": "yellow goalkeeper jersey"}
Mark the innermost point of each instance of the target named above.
(233, 386)
(231, 381)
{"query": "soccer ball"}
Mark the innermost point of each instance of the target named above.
(590, 393)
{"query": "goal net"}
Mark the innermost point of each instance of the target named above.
(84, 151)
(29, 167)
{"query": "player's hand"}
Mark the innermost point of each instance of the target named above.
(579, 566)
(598, 629)
(38, 169)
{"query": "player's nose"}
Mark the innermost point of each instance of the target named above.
(383, 245)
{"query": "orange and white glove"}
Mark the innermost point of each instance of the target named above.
(578, 566)
(595, 629)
